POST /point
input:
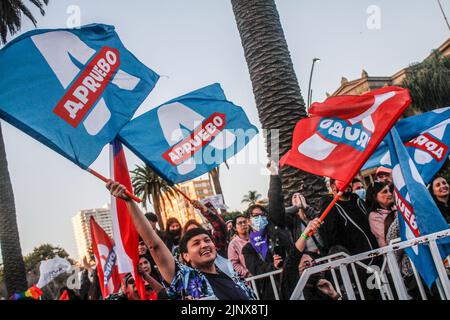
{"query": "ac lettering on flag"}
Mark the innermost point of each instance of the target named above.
(342, 132)
(432, 146)
(190, 135)
(418, 214)
(84, 87)
(407, 212)
(426, 138)
(201, 136)
(88, 87)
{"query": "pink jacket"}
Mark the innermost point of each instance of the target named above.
(376, 221)
(236, 257)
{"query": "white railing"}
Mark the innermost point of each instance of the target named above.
(270, 275)
(340, 261)
(390, 265)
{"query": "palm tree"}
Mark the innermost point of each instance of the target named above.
(11, 15)
(429, 82)
(152, 188)
(251, 198)
(14, 267)
(275, 86)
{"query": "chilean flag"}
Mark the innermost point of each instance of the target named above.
(106, 258)
(344, 131)
(125, 235)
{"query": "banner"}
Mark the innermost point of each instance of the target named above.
(190, 135)
(106, 259)
(216, 201)
(417, 212)
(50, 269)
(344, 131)
(72, 89)
(427, 140)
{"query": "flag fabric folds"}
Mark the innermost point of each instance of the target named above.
(427, 140)
(50, 269)
(106, 259)
(344, 131)
(72, 89)
(417, 212)
(190, 135)
(125, 235)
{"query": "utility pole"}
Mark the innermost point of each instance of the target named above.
(443, 13)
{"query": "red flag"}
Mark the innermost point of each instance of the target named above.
(344, 131)
(64, 296)
(125, 234)
(106, 258)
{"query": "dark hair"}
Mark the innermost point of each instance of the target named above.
(312, 254)
(356, 180)
(237, 217)
(376, 188)
(190, 223)
(388, 222)
(189, 235)
(151, 217)
(253, 207)
(170, 222)
(430, 187)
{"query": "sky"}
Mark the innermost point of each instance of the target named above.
(195, 43)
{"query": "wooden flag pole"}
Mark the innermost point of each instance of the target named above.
(183, 194)
(104, 179)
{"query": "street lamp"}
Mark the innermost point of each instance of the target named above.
(309, 86)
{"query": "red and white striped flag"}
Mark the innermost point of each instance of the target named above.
(106, 258)
(125, 235)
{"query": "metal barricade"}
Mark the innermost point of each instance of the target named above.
(389, 270)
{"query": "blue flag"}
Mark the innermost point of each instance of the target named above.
(417, 212)
(72, 89)
(427, 140)
(190, 135)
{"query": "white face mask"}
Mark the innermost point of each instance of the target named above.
(361, 194)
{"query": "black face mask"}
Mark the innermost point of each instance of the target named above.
(314, 279)
(347, 194)
(175, 233)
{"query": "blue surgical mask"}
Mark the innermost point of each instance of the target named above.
(259, 223)
(361, 194)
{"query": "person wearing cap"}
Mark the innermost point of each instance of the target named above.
(347, 223)
(206, 275)
(383, 175)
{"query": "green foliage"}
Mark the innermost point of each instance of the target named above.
(11, 15)
(251, 198)
(43, 252)
(150, 187)
(231, 215)
(429, 83)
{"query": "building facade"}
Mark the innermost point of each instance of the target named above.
(82, 229)
(180, 208)
(368, 83)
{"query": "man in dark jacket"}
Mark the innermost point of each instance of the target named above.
(347, 224)
(269, 242)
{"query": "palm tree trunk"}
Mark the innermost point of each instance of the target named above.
(275, 86)
(157, 207)
(14, 266)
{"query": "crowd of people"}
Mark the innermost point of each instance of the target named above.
(192, 262)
